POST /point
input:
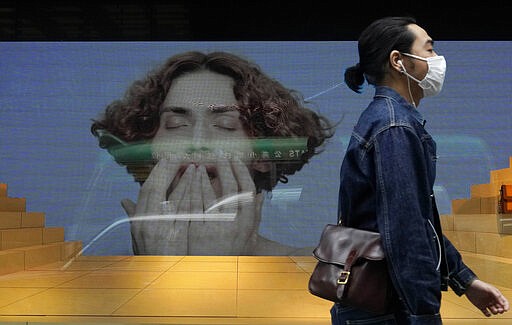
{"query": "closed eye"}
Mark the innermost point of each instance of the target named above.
(175, 121)
(225, 127)
(227, 122)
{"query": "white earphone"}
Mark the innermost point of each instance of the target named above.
(402, 65)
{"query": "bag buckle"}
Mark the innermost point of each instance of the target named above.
(343, 278)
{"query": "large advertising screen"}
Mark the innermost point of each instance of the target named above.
(217, 177)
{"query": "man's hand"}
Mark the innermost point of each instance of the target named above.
(487, 298)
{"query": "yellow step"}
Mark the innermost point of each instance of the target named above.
(485, 223)
(16, 219)
(481, 242)
(494, 244)
(489, 205)
(53, 235)
(466, 206)
(14, 238)
(10, 219)
(475, 205)
(41, 254)
(3, 190)
(446, 222)
(13, 204)
(501, 176)
(25, 258)
(485, 190)
(70, 249)
(464, 240)
(11, 261)
(32, 219)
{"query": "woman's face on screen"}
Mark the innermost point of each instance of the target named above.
(200, 124)
(200, 116)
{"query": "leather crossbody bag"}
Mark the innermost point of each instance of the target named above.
(351, 269)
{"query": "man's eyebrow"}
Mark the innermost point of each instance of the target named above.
(430, 41)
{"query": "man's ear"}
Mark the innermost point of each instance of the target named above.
(395, 61)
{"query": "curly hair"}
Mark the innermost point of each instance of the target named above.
(267, 108)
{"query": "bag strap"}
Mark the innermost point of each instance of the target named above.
(340, 221)
(345, 274)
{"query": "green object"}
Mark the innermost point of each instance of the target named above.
(262, 148)
(279, 148)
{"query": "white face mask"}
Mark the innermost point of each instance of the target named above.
(434, 79)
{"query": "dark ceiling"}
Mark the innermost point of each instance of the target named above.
(238, 20)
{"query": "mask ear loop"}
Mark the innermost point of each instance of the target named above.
(408, 82)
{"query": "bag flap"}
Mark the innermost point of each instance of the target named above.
(338, 241)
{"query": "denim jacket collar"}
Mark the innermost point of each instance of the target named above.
(384, 91)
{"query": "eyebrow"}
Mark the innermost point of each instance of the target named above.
(212, 108)
(222, 108)
(174, 109)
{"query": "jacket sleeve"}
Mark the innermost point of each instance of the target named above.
(403, 210)
(461, 275)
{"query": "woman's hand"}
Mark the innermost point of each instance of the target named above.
(190, 190)
(239, 199)
(154, 231)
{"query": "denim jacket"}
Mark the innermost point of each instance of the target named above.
(386, 185)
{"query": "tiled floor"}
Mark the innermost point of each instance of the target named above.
(197, 290)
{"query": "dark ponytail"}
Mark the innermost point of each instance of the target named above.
(354, 78)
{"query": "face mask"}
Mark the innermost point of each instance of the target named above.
(434, 79)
